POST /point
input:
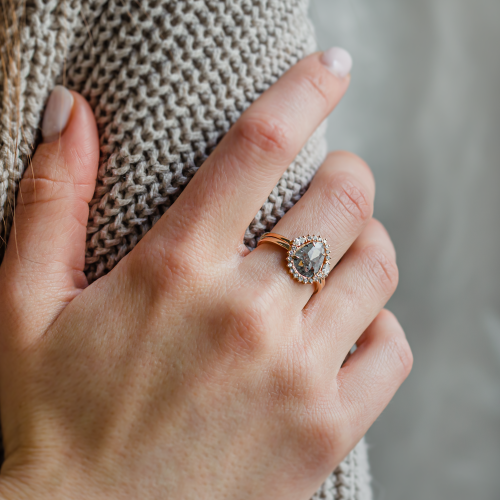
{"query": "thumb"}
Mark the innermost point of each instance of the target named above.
(46, 253)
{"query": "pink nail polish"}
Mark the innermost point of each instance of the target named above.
(57, 113)
(338, 61)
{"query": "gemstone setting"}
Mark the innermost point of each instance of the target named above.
(309, 259)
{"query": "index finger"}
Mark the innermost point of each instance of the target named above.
(231, 186)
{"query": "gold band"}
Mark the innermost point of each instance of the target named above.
(277, 239)
(308, 257)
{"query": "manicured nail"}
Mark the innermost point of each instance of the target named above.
(338, 61)
(57, 113)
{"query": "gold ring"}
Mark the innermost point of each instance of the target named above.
(308, 258)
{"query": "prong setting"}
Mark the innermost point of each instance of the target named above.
(309, 259)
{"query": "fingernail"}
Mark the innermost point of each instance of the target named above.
(338, 61)
(57, 113)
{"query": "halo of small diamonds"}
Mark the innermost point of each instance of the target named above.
(308, 259)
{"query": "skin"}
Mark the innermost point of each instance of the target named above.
(196, 369)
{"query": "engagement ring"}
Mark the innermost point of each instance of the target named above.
(308, 258)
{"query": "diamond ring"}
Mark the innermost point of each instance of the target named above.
(308, 258)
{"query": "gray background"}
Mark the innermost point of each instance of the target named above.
(424, 111)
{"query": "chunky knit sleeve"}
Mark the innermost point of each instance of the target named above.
(166, 80)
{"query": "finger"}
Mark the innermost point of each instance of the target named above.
(230, 188)
(46, 251)
(373, 374)
(337, 206)
(355, 292)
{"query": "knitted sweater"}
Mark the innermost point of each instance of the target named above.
(166, 80)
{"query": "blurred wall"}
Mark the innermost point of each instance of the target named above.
(424, 111)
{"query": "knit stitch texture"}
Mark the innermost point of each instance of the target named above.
(166, 80)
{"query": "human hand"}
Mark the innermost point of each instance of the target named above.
(195, 369)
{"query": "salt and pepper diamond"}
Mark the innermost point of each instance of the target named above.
(308, 259)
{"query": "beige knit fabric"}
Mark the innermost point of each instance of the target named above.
(166, 80)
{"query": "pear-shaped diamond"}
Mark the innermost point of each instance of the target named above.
(309, 259)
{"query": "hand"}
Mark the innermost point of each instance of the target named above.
(196, 369)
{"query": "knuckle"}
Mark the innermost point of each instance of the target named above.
(400, 351)
(324, 435)
(292, 376)
(265, 134)
(317, 442)
(350, 198)
(245, 323)
(309, 402)
(58, 173)
(319, 84)
(381, 267)
(33, 190)
(317, 428)
(167, 264)
(60, 198)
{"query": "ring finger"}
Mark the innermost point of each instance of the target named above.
(337, 206)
